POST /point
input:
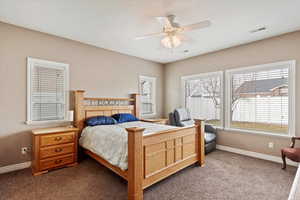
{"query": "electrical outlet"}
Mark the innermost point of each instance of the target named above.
(271, 145)
(25, 150)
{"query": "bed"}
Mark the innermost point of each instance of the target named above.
(154, 151)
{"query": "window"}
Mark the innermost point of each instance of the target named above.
(47, 91)
(261, 98)
(147, 91)
(203, 96)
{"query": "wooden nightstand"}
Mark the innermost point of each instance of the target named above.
(53, 148)
(156, 121)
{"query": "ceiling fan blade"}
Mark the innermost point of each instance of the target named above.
(199, 25)
(150, 36)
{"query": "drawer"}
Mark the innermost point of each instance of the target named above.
(56, 161)
(56, 150)
(53, 139)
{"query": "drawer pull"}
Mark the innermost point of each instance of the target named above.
(57, 161)
(58, 138)
(58, 150)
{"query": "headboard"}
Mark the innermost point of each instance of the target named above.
(86, 107)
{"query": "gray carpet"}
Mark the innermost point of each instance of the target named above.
(225, 176)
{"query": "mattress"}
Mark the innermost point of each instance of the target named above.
(110, 141)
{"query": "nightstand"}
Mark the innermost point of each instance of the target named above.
(156, 121)
(53, 148)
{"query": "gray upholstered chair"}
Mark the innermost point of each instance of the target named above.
(182, 117)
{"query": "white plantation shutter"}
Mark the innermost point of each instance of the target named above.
(261, 98)
(47, 90)
(203, 96)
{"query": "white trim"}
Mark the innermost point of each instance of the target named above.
(153, 80)
(292, 98)
(196, 76)
(295, 186)
(205, 75)
(255, 154)
(31, 62)
(15, 167)
(291, 66)
(268, 66)
(227, 99)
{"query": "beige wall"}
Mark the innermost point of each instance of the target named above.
(110, 74)
(100, 72)
(285, 47)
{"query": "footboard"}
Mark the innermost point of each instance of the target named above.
(157, 156)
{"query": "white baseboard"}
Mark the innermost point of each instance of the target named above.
(256, 155)
(15, 167)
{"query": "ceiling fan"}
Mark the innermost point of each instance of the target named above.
(172, 30)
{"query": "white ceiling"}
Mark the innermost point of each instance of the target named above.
(112, 24)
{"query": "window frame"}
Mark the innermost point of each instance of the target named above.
(153, 100)
(291, 65)
(31, 63)
(203, 75)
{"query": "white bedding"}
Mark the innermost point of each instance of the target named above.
(110, 141)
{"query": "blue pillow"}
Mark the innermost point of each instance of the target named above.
(124, 117)
(100, 120)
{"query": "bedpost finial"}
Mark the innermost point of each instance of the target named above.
(135, 129)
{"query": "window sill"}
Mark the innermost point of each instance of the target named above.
(256, 132)
(46, 122)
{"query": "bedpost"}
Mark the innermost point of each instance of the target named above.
(201, 145)
(137, 103)
(135, 163)
(79, 111)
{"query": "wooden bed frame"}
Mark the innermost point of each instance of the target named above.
(151, 158)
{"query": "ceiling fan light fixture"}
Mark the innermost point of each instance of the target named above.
(172, 31)
(171, 41)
